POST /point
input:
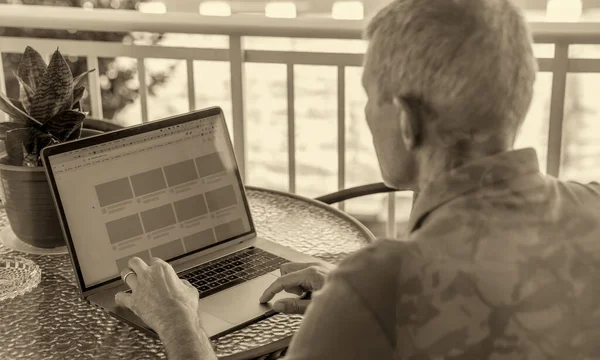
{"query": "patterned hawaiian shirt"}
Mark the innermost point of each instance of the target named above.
(500, 262)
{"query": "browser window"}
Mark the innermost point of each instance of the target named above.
(163, 193)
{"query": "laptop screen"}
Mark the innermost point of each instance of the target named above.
(163, 193)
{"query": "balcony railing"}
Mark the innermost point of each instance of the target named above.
(236, 28)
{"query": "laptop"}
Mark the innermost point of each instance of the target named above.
(169, 189)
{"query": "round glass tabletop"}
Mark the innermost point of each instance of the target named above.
(52, 321)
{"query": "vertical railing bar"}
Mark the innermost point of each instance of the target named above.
(291, 115)
(143, 89)
(3, 116)
(341, 102)
(191, 85)
(414, 200)
(560, 67)
(94, 88)
(391, 220)
(236, 61)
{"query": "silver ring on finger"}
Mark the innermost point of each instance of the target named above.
(130, 272)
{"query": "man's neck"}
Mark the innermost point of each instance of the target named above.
(433, 164)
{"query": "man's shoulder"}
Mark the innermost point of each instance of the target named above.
(375, 271)
(372, 274)
(580, 191)
(382, 258)
(516, 208)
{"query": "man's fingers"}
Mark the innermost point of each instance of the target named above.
(273, 289)
(124, 299)
(291, 306)
(292, 283)
(138, 265)
(129, 277)
(293, 266)
(155, 260)
(191, 287)
(296, 290)
(165, 269)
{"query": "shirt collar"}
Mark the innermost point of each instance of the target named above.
(470, 177)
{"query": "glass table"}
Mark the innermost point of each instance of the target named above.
(51, 321)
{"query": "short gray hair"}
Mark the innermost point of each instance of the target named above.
(470, 61)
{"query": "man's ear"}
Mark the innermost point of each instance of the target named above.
(410, 122)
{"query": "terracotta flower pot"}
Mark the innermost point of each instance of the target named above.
(29, 206)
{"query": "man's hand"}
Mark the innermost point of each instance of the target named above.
(162, 300)
(296, 278)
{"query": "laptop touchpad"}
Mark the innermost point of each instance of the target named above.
(240, 303)
(212, 325)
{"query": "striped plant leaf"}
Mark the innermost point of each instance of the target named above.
(76, 106)
(14, 112)
(17, 104)
(8, 126)
(26, 94)
(32, 146)
(76, 134)
(55, 91)
(15, 141)
(80, 77)
(29, 158)
(28, 121)
(77, 95)
(31, 68)
(64, 124)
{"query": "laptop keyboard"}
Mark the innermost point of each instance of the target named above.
(232, 270)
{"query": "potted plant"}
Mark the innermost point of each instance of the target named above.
(48, 111)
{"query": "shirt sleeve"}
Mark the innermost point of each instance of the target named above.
(338, 325)
(353, 317)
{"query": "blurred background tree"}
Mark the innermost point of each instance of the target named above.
(118, 84)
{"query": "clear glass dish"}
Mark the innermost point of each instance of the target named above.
(17, 276)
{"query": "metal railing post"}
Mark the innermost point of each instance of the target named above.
(341, 126)
(236, 60)
(94, 88)
(143, 89)
(391, 230)
(191, 82)
(3, 116)
(291, 113)
(560, 67)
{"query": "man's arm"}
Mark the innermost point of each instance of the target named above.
(353, 316)
(168, 305)
(338, 326)
(186, 340)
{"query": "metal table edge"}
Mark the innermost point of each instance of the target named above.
(363, 229)
(260, 351)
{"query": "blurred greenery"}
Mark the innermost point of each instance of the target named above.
(116, 88)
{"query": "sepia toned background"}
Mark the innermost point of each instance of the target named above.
(315, 92)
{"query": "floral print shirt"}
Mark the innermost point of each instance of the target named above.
(500, 262)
